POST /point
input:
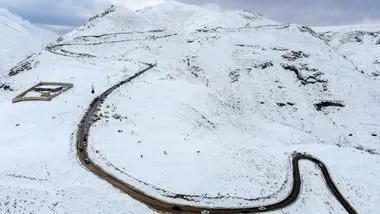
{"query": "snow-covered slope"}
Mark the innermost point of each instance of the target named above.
(358, 43)
(233, 95)
(19, 38)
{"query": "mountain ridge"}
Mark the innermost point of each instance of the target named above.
(232, 95)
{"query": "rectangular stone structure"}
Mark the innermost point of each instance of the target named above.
(47, 90)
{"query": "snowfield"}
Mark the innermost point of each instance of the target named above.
(233, 95)
(359, 44)
(19, 38)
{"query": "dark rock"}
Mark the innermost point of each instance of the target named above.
(280, 49)
(25, 65)
(306, 29)
(107, 11)
(324, 104)
(234, 75)
(313, 78)
(264, 65)
(195, 70)
(6, 87)
(294, 55)
(358, 36)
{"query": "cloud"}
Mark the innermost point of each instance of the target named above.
(321, 12)
(59, 29)
(369, 21)
(63, 12)
(66, 12)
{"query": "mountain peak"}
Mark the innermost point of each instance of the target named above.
(137, 5)
(171, 15)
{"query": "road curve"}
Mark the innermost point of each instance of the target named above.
(167, 207)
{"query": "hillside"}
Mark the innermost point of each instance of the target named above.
(360, 44)
(214, 122)
(19, 38)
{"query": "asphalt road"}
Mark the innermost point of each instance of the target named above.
(167, 207)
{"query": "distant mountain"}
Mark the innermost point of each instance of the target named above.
(359, 44)
(19, 38)
(215, 123)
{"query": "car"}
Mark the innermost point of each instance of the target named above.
(84, 143)
(205, 212)
(262, 208)
(80, 147)
(87, 160)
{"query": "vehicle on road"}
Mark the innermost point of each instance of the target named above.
(87, 160)
(262, 208)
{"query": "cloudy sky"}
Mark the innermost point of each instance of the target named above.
(312, 12)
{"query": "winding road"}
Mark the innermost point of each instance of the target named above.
(167, 207)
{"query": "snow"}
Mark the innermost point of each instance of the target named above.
(216, 120)
(136, 4)
(19, 38)
(359, 43)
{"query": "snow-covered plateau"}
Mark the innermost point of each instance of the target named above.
(216, 121)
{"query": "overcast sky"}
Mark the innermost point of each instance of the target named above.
(311, 12)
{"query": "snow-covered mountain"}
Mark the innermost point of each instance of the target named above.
(19, 38)
(358, 43)
(214, 124)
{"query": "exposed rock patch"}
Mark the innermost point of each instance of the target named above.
(359, 36)
(234, 75)
(325, 104)
(25, 65)
(313, 78)
(264, 65)
(107, 11)
(295, 55)
(306, 29)
(368, 150)
(6, 87)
